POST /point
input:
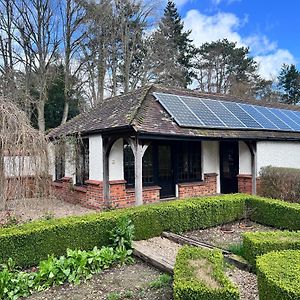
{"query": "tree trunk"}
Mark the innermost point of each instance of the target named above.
(2, 181)
(41, 115)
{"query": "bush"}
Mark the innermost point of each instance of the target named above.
(259, 243)
(274, 213)
(280, 183)
(29, 243)
(199, 274)
(279, 275)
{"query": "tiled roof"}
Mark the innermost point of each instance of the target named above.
(145, 115)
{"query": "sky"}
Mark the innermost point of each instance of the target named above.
(270, 28)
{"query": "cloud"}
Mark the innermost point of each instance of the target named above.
(208, 28)
(270, 64)
(181, 2)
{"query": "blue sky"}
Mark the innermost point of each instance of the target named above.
(270, 28)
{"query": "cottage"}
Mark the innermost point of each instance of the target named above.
(159, 143)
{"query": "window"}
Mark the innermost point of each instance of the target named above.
(59, 161)
(82, 161)
(129, 174)
(189, 162)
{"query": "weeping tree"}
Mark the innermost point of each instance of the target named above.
(23, 156)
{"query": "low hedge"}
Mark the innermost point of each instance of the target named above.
(259, 243)
(279, 275)
(29, 243)
(276, 213)
(199, 274)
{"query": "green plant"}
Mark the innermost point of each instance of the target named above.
(237, 249)
(279, 275)
(48, 215)
(114, 296)
(128, 294)
(199, 274)
(259, 243)
(162, 281)
(32, 242)
(274, 213)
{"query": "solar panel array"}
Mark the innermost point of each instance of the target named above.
(209, 113)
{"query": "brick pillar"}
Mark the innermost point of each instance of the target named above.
(245, 184)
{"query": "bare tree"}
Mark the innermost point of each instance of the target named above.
(72, 17)
(39, 42)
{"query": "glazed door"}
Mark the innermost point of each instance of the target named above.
(165, 171)
(229, 167)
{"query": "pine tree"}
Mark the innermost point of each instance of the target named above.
(289, 83)
(172, 49)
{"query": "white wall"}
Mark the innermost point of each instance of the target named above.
(51, 155)
(116, 169)
(278, 154)
(211, 159)
(244, 159)
(95, 158)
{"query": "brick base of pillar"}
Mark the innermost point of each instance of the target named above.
(245, 184)
(195, 189)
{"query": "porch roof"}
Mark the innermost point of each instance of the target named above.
(140, 112)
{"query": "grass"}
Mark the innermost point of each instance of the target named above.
(237, 249)
(162, 281)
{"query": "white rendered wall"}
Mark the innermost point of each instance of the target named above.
(244, 159)
(278, 154)
(95, 157)
(116, 169)
(211, 159)
(51, 155)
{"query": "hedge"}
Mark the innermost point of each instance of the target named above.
(29, 243)
(188, 285)
(279, 275)
(280, 183)
(276, 213)
(259, 243)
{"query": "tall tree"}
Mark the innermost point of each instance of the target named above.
(222, 67)
(289, 83)
(172, 49)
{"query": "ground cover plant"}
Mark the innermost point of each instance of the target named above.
(75, 266)
(199, 274)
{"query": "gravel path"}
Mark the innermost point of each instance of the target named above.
(223, 239)
(38, 208)
(247, 283)
(127, 282)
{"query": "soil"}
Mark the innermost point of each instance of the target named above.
(126, 282)
(25, 210)
(219, 237)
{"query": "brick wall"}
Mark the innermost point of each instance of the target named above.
(245, 184)
(194, 189)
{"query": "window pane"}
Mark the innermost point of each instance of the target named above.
(128, 165)
(148, 166)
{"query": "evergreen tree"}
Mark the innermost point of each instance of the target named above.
(172, 49)
(289, 83)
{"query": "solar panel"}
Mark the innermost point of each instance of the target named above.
(224, 114)
(209, 113)
(241, 114)
(202, 112)
(175, 107)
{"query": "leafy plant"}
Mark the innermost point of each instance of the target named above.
(114, 296)
(237, 249)
(162, 281)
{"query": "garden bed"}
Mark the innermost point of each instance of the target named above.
(136, 281)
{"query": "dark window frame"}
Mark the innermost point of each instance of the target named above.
(60, 161)
(82, 161)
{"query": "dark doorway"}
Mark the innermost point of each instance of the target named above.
(165, 171)
(229, 167)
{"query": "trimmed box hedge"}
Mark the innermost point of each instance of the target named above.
(259, 243)
(29, 243)
(279, 275)
(188, 285)
(276, 213)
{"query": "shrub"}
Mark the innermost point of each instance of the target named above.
(280, 183)
(279, 275)
(259, 243)
(29, 243)
(199, 274)
(274, 213)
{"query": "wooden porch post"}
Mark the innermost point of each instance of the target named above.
(138, 150)
(252, 148)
